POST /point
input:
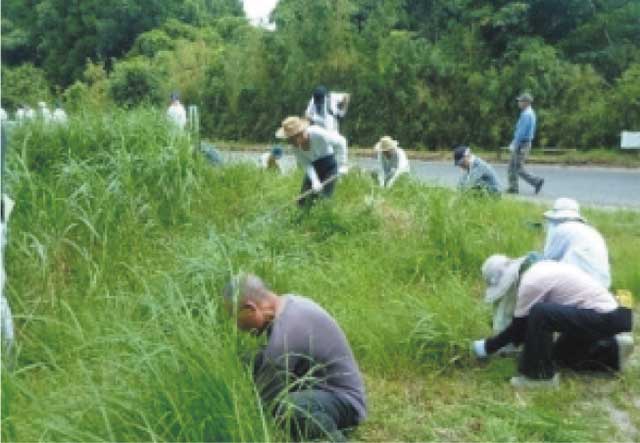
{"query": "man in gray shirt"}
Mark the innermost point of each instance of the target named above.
(307, 370)
(479, 175)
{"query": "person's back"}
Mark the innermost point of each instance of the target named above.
(307, 344)
(581, 245)
(177, 114)
(480, 176)
(564, 284)
(60, 116)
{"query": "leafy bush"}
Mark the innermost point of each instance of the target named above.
(135, 82)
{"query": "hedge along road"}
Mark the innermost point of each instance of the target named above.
(591, 186)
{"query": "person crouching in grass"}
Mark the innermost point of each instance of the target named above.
(559, 298)
(478, 175)
(307, 371)
(318, 152)
(392, 161)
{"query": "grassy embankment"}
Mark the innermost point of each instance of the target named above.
(592, 157)
(121, 241)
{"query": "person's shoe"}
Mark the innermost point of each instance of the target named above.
(511, 191)
(509, 350)
(625, 348)
(539, 185)
(523, 382)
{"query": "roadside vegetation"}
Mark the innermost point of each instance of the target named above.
(430, 73)
(122, 239)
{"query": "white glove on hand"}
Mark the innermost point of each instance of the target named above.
(479, 350)
(343, 169)
(316, 187)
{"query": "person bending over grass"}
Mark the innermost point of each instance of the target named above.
(392, 160)
(560, 298)
(307, 371)
(570, 239)
(479, 175)
(316, 150)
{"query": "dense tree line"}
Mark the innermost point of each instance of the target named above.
(429, 72)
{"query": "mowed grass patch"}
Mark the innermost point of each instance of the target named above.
(122, 242)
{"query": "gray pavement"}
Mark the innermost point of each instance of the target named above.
(591, 186)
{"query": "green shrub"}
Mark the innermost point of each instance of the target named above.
(135, 82)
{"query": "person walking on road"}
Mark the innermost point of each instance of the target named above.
(521, 145)
(306, 372)
(317, 151)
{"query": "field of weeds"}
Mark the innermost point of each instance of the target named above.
(122, 239)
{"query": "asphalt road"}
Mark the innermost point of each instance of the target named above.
(591, 186)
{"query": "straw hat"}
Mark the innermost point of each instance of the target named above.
(386, 143)
(292, 126)
(564, 209)
(501, 273)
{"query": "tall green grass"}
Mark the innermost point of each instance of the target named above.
(122, 240)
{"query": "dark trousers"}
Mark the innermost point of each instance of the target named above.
(326, 167)
(516, 167)
(313, 414)
(586, 340)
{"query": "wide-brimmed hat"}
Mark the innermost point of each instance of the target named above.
(564, 209)
(292, 126)
(525, 97)
(500, 273)
(386, 143)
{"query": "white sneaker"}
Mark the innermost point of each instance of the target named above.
(624, 341)
(523, 382)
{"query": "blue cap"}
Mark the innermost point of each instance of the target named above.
(277, 151)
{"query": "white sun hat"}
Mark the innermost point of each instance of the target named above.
(500, 273)
(564, 209)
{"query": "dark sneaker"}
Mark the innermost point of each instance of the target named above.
(539, 185)
(511, 191)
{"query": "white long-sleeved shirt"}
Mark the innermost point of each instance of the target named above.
(391, 168)
(329, 114)
(177, 115)
(59, 116)
(581, 245)
(45, 114)
(322, 143)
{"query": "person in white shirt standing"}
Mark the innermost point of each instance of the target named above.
(44, 113)
(318, 152)
(176, 113)
(571, 240)
(326, 108)
(392, 160)
(59, 116)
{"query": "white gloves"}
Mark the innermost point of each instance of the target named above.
(316, 186)
(479, 349)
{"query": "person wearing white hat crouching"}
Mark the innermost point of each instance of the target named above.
(392, 161)
(571, 240)
(560, 298)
